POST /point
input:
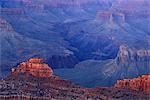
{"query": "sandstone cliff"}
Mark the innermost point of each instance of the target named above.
(139, 84)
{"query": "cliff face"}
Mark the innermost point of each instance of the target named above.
(135, 60)
(35, 67)
(110, 16)
(5, 26)
(139, 84)
(34, 80)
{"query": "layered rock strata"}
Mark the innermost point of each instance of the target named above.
(35, 66)
(139, 84)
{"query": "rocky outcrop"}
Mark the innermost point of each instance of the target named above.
(34, 66)
(24, 83)
(4, 25)
(132, 63)
(143, 53)
(127, 55)
(139, 84)
(123, 55)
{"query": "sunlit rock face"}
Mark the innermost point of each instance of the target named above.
(28, 81)
(35, 67)
(139, 84)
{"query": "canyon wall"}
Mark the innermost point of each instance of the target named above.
(136, 62)
(138, 84)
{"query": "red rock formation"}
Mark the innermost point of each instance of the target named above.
(138, 84)
(34, 66)
(35, 80)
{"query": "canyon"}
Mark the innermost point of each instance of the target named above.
(35, 80)
(106, 40)
(129, 63)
